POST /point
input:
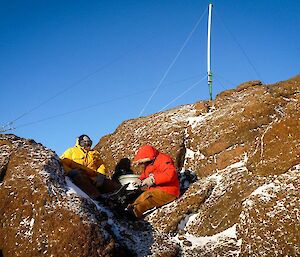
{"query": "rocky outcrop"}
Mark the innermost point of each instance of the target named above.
(163, 130)
(246, 139)
(244, 147)
(269, 222)
(42, 213)
(252, 119)
(38, 215)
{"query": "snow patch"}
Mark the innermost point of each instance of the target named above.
(239, 164)
(216, 178)
(202, 241)
(28, 223)
(248, 202)
(295, 168)
(184, 222)
(264, 191)
(182, 117)
(195, 121)
(191, 154)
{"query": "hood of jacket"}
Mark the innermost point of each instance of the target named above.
(145, 153)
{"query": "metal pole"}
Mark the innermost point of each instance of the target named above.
(209, 73)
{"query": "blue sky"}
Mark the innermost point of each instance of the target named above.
(85, 66)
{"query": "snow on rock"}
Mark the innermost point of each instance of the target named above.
(207, 198)
(196, 121)
(201, 241)
(167, 218)
(238, 145)
(211, 206)
(45, 214)
(224, 243)
(139, 237)
(270, 220)
(244, 148)
(38, 216)
(130, 135)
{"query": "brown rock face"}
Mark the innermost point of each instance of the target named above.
(247, 138)
(38, 215)
(269, 223)
(279, 147)
(42, 215)
(216, 201)
(132, 134)
(253, 120)
(244, 147)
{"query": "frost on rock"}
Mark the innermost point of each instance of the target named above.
(44, 212)
(243, 147)
(168, 126)
(37, 212)
(239, 146)
(272, 214)
(224, 243)
(201, 224)
(231, 186)
(195, 121)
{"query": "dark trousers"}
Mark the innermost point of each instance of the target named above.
(93, 186)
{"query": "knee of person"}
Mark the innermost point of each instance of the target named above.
(137, 212)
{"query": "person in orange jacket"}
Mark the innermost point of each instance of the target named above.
(159, 179)
(86, 169)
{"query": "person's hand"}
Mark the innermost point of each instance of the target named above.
(148, 182)
(137, 183)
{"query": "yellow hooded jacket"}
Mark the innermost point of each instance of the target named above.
(78, 158)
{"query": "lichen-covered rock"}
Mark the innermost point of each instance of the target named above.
(244, 148)
(168, 218)
(164, 130)
(38, 217)
(214, 202)
(270, 220)
(247, 137)
(278, 148)
(42, 214)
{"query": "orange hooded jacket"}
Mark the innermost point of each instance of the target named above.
(162, 167)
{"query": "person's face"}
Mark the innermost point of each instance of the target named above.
(86, 143)
(143, 166)
(87, 148)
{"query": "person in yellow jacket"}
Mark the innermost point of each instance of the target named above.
(86, 169)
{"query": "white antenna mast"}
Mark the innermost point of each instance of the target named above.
(209, 73)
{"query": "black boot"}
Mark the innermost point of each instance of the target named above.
(129, 213)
